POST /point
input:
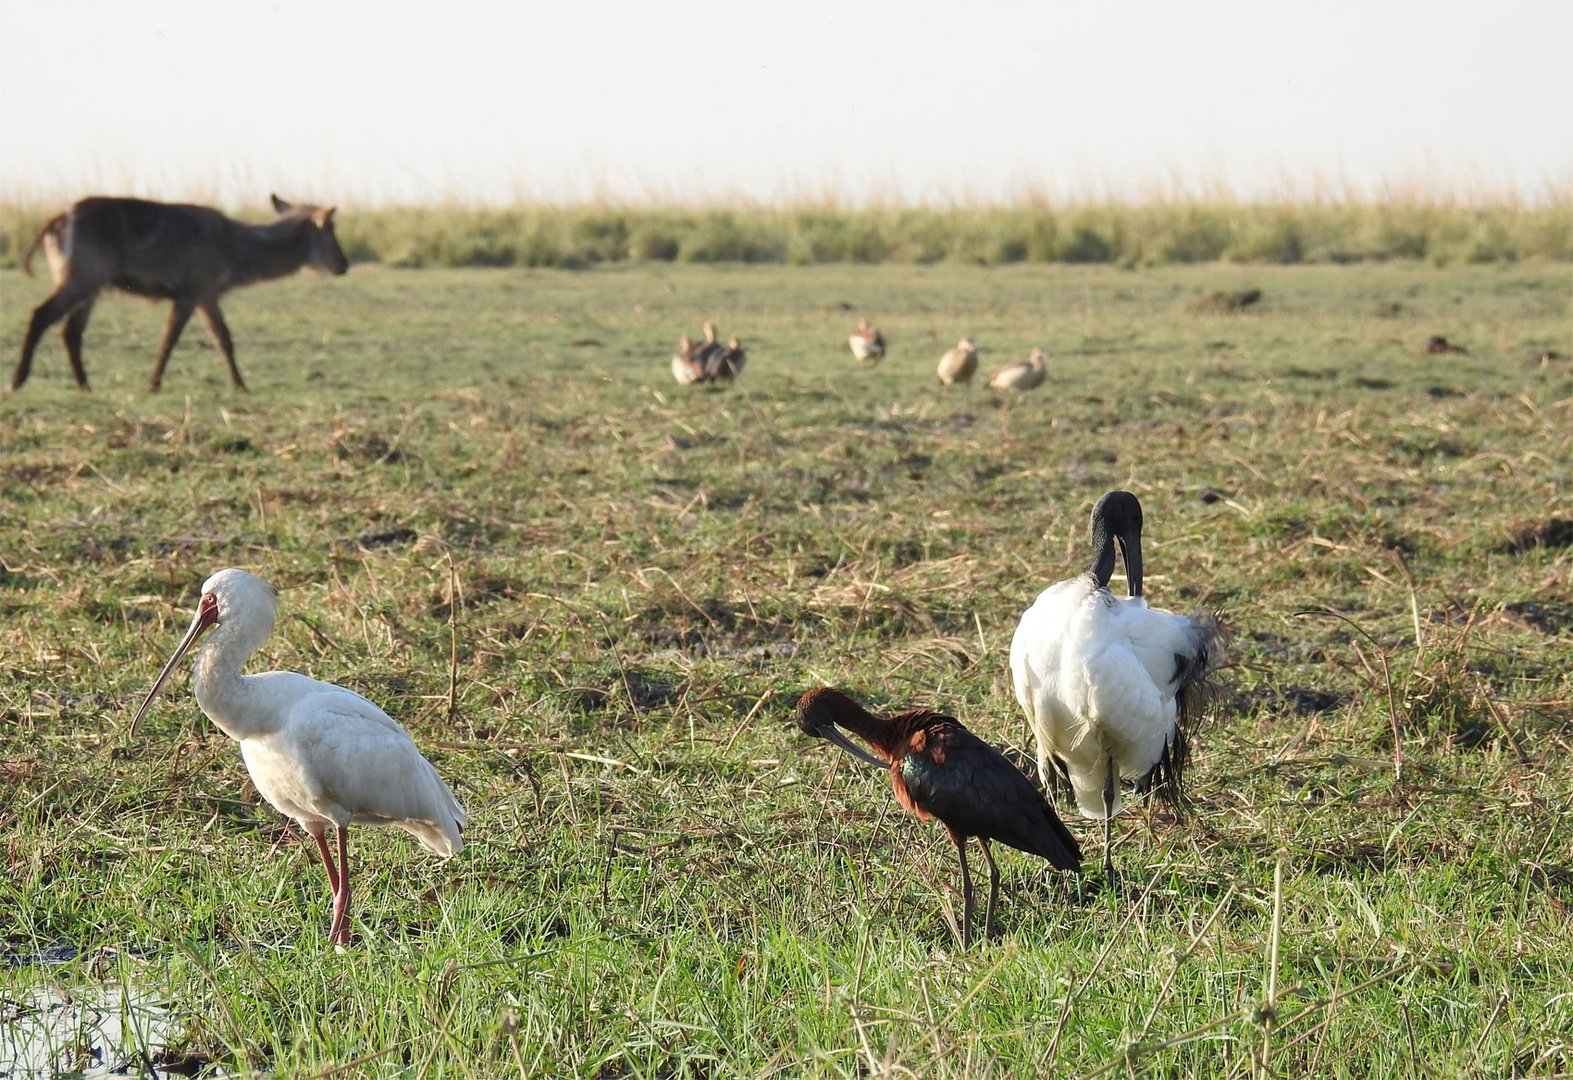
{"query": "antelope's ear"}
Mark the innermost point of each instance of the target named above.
(324, 217)
(279, 205)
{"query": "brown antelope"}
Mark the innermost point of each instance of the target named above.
(188, 254)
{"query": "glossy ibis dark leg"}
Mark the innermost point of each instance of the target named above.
(966, 892)
(994, 889)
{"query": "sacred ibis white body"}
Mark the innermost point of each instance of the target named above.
(1112, 687)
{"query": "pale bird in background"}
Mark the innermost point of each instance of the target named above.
(319, 753)
(1111, 687)
(868, 344)
(959, 364)
(685, 369)
(1027, 375)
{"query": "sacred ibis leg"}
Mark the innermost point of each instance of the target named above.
(1109, 793)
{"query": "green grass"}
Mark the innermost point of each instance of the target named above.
(1441, 229)
(611, 590)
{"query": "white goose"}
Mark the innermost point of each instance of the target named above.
(867, 344)
(319, 753)
(685, 369)
(1027, 375)
(1112, 687)
(959, 363)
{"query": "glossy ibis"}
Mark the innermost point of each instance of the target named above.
(940, 769)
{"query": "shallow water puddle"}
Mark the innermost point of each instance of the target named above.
(110, 1030)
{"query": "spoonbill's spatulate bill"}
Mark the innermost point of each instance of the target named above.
(1111, 687)
(319, 753)
(940, 769)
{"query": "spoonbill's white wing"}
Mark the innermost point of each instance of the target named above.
(337, 758)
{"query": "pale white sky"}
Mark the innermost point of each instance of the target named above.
(333, 101)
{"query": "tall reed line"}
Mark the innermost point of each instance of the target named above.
(1032, 231)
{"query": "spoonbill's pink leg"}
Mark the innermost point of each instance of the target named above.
(327, 863)
(338, 933)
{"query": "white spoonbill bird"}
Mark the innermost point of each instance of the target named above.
(319, 753)
(1112, 687)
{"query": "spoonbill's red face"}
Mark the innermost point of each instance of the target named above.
(207, 611)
